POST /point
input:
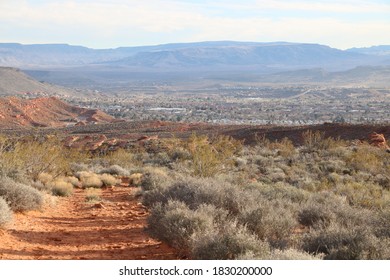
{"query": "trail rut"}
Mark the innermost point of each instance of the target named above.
(74, 229)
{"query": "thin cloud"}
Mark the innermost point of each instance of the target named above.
(118, 22)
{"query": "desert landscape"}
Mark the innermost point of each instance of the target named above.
(217, 150)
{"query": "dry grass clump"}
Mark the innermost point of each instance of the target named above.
(89, 179)
(60, 187)
(135, 179)
(93, 195)
(20, 197)
(5, 213)
(109, 180)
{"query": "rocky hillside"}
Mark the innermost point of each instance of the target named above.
(46, 112)
(15, 82)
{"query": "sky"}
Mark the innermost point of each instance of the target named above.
(114, 23)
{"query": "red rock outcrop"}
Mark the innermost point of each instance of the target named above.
(378, 140)
(46, 112)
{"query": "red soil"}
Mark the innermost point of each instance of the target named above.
(46, 112)
(74, 229)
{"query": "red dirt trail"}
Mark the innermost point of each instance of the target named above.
(74, 229)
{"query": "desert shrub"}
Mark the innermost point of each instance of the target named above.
(159, 159)
(315, 140)
(209, 157)
(45, 178)
(20, 197)
(364, 194)
(73, 180)
(108, 180)
(155, 177)
(270, 220)
(122, 157)
(89, 179)
(179, 154)
(324, 208)
(60, 187)
(77, 167)
(135, 179)
(228, 242)
(383, 181)
(175, 223)
(197, 191)
(5, 213)
(93, 195)
(115, 170)
(382, 224)
(41, 187)
(36, 156)
(366, 159)
(352, 243)
(284, 148)
(281, 191)
(292, 254)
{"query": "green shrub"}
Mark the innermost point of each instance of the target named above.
(211, 156)
(20, 197)
(5, 213)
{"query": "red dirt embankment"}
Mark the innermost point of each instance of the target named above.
(46, 112)
(74, 229)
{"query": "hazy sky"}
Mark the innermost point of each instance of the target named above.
(114, 23)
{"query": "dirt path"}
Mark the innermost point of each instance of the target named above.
(74, 229)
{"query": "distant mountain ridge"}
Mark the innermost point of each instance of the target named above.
(374, 50)
(77, 66)
(194, 55)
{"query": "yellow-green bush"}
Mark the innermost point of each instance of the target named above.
(208, 157)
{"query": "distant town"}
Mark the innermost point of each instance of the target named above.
(285, 105)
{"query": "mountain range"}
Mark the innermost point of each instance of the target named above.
(76, 65)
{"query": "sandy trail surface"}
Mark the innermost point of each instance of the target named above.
(74, 229)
